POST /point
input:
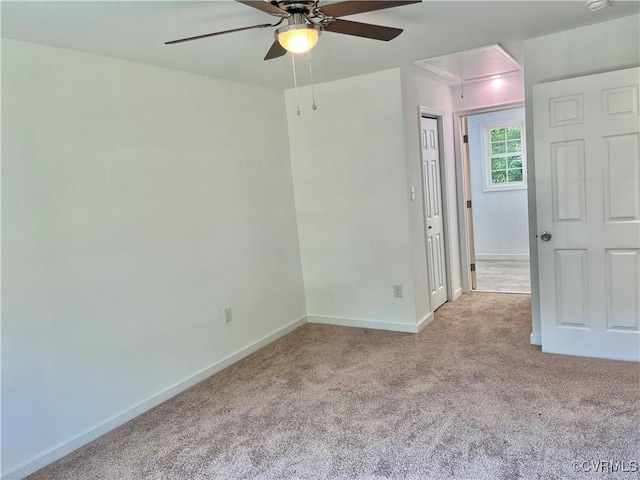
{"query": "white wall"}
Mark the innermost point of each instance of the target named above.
(420, 91)
(487, 94)
(137, 203)
(354, 161)
(602, 47)
(500, 217)
(350, 190)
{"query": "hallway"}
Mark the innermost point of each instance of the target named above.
(503, 276)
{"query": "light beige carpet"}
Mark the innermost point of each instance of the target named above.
(468, 398)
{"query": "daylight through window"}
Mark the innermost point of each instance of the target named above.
(506, 164)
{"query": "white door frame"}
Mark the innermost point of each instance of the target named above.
(461, 185)
(439, 116)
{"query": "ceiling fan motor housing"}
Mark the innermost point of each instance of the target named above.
(296, 6)
(304, 12)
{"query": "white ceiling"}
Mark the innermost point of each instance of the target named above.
(137, 30)
(477, 64)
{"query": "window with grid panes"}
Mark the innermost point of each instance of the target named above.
(505, 157)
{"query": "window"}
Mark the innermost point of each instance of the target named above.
(505, 158)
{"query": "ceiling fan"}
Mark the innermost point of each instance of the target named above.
(306, 20)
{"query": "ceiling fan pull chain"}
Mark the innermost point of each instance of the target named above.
(461, 82)
(313, 90)
(295, 82)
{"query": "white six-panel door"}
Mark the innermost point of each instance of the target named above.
(587, 142)
(434, 222)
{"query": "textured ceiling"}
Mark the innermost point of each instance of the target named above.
(136, 31)
(476, 64)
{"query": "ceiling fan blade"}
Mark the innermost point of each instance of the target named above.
(266, 7)
(366, 30)
(351, 7)
(275, 51)
(206, 35)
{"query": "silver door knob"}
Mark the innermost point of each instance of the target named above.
(545, 236)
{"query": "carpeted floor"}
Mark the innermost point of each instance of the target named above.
(468, 398)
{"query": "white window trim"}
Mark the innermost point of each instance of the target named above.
(486, 160)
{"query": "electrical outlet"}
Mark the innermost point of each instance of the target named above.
(227, 315)
(397, 291)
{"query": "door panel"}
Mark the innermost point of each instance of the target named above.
(572, 306)
(623, 289)
(587, 145)
(434, 223)
(621, 173)
(432, 271)
(568, 181)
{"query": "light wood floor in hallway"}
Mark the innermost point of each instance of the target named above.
(503, 276)
(467, 398)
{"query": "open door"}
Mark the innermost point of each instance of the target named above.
(466, 168)
(587, 170)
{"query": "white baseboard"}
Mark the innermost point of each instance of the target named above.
(535, 339)
(457, 293)
(59, 451)
(425, 321)
(360, 323)
(515, 256)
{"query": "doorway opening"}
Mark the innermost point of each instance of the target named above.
(496, 204)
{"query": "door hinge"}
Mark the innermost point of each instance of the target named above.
(473, 267)
(465, 139)
(468, 203)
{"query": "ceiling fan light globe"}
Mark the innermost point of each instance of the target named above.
(298, 38)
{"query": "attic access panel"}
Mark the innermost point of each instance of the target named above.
(473, 65)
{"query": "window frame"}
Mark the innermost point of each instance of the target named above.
(488, 186)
